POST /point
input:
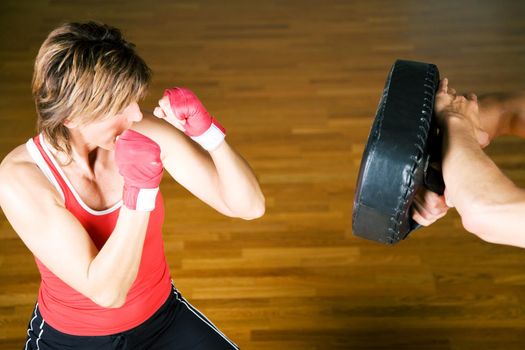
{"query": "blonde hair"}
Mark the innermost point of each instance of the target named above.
(84, 72)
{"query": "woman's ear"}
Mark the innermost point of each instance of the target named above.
(70, 124)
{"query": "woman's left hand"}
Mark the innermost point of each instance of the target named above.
(164, 111)
(183, 109)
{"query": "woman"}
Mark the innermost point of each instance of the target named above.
(83, 196)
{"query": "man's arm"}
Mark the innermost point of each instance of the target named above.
(491, 205)
(499, 114)
(502, 114)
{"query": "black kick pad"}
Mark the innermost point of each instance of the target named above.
(402, 154)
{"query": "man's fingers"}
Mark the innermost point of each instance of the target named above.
(434, 203)
(472, 96)
(443, 85)
(420, 220)
(423, 218)
(430, 209)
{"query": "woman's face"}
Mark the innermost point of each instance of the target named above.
(103, 133)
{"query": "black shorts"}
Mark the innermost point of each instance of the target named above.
(176, 325)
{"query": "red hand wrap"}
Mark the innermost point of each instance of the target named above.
(200, 125)
(139, 163)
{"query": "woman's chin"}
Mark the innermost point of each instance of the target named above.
(109, 146)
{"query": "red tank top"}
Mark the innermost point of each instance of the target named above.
(71, 312)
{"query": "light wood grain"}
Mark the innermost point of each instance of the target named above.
(296, 83)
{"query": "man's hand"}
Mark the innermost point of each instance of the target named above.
(448, 105)
(428, 206)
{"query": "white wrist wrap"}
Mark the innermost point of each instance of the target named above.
(146, 199)
(211, 138)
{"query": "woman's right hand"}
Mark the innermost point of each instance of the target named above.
(138, 160)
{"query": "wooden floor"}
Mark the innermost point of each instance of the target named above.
(297, 83)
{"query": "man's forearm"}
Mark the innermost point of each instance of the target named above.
(473, 180)
(490, 205)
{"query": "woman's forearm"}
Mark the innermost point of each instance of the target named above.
(116, 265)
(237, 183)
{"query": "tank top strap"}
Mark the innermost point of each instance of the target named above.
(44, 162)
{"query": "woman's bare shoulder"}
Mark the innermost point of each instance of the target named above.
(19, 170)
(18, 154)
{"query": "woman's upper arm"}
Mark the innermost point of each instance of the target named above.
(34, 209)
(185, 161)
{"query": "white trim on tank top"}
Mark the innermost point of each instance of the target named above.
(70, 186)
(39, 159)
